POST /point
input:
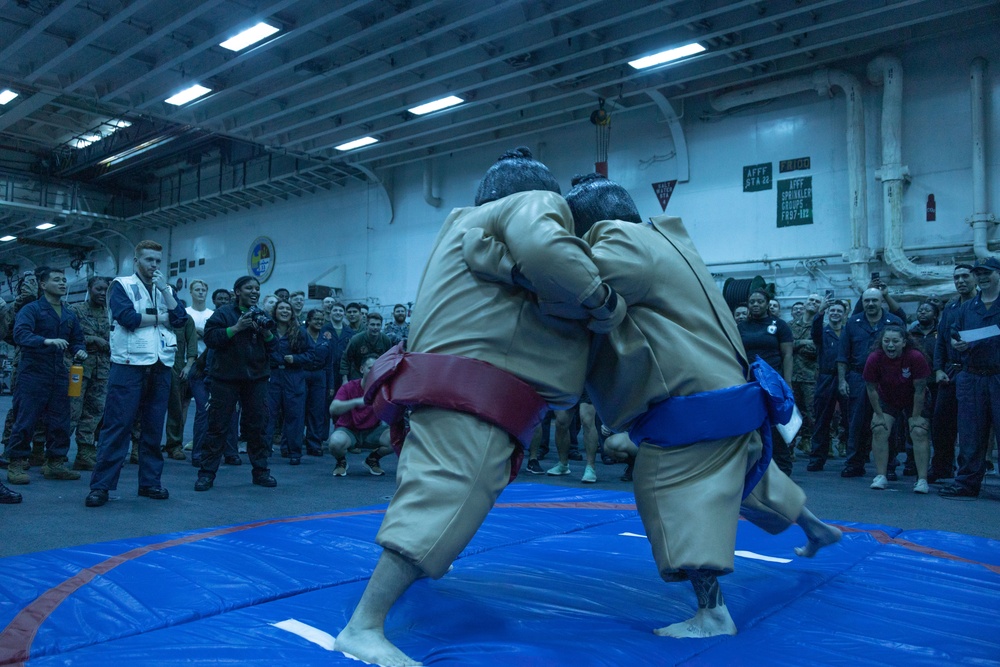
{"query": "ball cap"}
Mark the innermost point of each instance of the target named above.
(988, 264)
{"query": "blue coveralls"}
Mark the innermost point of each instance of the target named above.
(978, 390)
(827, 395)
(286, 391)
(856, 342)
(944, 425)
(319, 380)
(42, 388)
(338, 344)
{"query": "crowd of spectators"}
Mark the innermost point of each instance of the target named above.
(876, 386)
(266, 375)
(286, 379)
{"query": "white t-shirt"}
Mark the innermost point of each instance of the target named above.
(199, 317)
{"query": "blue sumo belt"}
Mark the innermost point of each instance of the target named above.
(723, 413)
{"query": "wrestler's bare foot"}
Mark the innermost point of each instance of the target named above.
(705, 623)
(820, 534)
(371, 646)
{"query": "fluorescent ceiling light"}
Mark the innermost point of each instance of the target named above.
(436, 105)
(667, 56)
(188, 94)
(6, 96)
(7, 238)
(357, 143)
(249, 36)
(45, 225)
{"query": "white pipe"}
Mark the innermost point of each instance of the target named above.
(822, 81)
(887, 71)
(981, 218)
(429, 185)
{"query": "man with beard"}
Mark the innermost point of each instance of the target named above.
(88, 408)
(398, 329)
(484, 362)
(856, 342)
(144, 314)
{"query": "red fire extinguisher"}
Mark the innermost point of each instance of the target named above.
(931, 209)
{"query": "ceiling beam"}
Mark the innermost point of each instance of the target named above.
(81, 43)
(34, 31)
(25, 108)
(201, 8)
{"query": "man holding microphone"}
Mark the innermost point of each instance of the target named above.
(144, 314)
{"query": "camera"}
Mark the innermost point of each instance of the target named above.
(261, 320)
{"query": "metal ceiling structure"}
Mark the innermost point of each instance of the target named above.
(90, 144)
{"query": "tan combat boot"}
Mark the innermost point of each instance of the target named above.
(56, 469)
(86, 457)
(17, 472)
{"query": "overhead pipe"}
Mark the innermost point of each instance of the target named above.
(823, 81)
(981, 220)
(429, 185)
(887, 71)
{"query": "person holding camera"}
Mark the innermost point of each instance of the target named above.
(241, 337)
(144, 314)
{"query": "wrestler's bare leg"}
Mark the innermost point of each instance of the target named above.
(820, 534)
(364, 636)
(712, 617)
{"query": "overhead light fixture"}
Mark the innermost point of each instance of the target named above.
(249, 36)
(6, 95)
(46, 225)
(357, 143)
(667, 56)
(7, 238)
(436, 105)
(188, 94)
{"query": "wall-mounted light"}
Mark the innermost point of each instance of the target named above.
(667, 56)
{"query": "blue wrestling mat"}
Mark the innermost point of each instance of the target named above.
(555, 577)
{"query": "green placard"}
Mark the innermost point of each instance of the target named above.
(795, 201)
(757, 177)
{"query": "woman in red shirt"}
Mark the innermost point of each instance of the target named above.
(896, 374)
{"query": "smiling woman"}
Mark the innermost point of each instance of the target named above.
(896, 378)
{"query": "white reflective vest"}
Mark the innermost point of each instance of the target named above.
(145, 345)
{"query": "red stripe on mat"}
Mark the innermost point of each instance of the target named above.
(16, 638)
